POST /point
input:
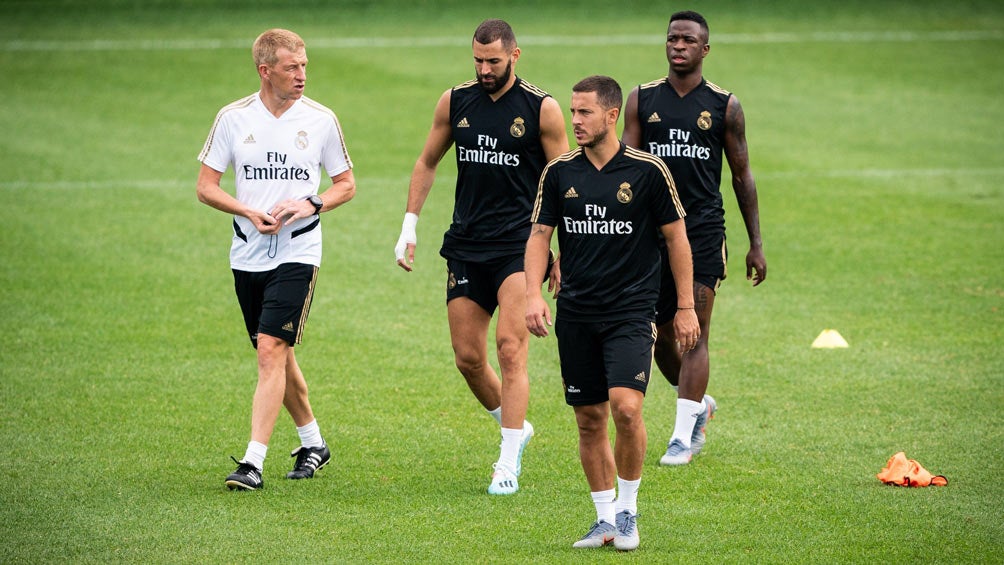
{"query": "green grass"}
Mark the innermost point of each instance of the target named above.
(126, 380)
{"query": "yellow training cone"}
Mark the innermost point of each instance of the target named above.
(829, 339)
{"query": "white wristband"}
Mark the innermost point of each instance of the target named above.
(408, 235)
(410, 221)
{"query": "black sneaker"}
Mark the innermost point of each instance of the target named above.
(308, 460)
(246, 477)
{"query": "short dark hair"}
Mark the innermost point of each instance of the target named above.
(692, 16)
(608, 92)
(491, 31)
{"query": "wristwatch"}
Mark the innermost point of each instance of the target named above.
(317, 202)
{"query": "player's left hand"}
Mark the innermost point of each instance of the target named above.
(554, 275)
(289, 211)
(756, 266)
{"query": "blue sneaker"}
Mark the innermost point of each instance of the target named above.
(698, 437)
(627, 531)
(676, 454)
(600, 533)
(523, 440)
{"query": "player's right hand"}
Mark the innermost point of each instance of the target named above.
(405, 248)
(265, 223)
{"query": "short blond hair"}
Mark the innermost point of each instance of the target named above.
(270, 41)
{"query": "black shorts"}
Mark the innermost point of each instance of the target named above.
(710, 259)
(276, 302)
(480, 281)
(597, 356)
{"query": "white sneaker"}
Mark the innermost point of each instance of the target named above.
(523, 440)
(627, 531)
(503, 481)
(676, 454)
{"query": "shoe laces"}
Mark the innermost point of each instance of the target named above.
(304, 459)
(500, 468)
(595, 528)
(628, 523)
(675, 447)
(245, 468)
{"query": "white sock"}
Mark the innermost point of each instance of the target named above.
(627, 497)
(255, 454)
(497, 414)
(604, 502)
(510, 447)
(310, 435)
(686, 416)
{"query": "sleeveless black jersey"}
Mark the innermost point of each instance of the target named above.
(499, 161)
(608, 223)
(687, 134)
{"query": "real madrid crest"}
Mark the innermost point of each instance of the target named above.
(624, 194)
(704, 121)
(451, 282)
(517, 129)
(301, 140)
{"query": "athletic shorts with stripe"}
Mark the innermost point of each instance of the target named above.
(276, 302)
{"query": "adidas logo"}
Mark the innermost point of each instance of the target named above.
(641, 377)
(287, 327)
(463, 123)
(654, 118)
(571, 193)
(250, 139)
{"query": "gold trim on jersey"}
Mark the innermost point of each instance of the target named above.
(643, 156)
(543, 174)
(665, 80)
(338, 126)
(654, 83)
(236, 105)
(533, 89)
(717, 88)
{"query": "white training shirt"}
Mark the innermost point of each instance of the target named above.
(275, 159)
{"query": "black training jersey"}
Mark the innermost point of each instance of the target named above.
(608, 224)
(499, 160)
(687, 134)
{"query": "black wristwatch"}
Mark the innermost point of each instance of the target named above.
(317, 202)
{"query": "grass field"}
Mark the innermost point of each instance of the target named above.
(126, 380)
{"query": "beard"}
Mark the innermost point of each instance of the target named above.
(500, 80)
(596, 139)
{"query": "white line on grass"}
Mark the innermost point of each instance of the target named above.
(543, 40)
(86, 185)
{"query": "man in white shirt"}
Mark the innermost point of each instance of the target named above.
(277, 140)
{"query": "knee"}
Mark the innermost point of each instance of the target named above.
(591, 425)
(272, 352)
(511, 352)
(627, 416)
(468, 362)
